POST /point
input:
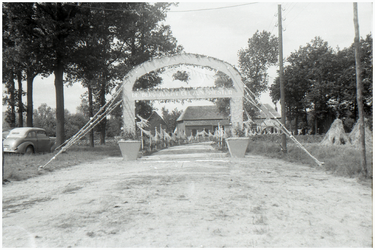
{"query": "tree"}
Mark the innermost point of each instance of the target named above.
(224, 81)
(45, 117)
(320, 74)
(170, 118)
(62, 27)
(254, 61)
(112, 37)
(8, 78)
(344, 91)
(295, 90)
(73, 123)
(321, 81)
(122, 35)
(308, 80)
(23, 46)
(9, 68)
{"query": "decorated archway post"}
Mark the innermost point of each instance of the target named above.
(235, 94)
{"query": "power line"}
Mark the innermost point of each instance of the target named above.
(217, 8)
(175, 11)
(298, 14)
(272, 21)
(289, 8)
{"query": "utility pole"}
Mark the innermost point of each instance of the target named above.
(281, 73)
(358, 70)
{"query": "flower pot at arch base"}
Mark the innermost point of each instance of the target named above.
(237, 146)
(129, 149)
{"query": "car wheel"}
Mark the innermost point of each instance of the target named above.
(29, 150)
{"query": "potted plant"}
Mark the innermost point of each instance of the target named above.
(237, 143)
(129, 145)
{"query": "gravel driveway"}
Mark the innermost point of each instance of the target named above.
(187, 196)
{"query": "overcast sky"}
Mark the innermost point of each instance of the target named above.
(221, 29)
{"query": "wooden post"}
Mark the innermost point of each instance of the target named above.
(281, 73)
(359, 93)
(156, 143)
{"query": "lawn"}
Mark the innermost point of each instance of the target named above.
(339, 160)
(22, 167)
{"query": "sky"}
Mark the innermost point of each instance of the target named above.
(221, 29)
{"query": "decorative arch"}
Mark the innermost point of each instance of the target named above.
(235, 94)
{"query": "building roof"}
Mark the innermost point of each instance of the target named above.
(155, 119)
(201, 113)
(194, 113)
(266, 108)
(155, 115)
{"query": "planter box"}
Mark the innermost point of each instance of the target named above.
(129, 149)
(237, 146)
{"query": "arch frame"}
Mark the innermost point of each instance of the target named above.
(235, 94)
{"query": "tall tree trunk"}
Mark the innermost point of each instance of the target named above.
(306, 130)
(104, 121)
(59, 91)
(29, 113)
(296, 125)
(12, 117)
(91, 134)
(20, 104)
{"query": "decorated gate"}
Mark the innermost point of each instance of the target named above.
(235, 93)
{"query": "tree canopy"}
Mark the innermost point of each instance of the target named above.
(92, 43)
(320, 84)
(254, 61)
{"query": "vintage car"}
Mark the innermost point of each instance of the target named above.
(27, 140)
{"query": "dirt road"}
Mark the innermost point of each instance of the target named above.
(199, 199)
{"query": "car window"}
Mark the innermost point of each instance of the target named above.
(41, 134)
(31, 134)
(16, 134)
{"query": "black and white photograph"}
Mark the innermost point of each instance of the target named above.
(187, 124)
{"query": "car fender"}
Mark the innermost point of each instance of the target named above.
(22, 147)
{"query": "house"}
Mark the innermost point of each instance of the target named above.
(198, 118)
(155, 121)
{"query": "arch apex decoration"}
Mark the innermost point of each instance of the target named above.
(130, 96)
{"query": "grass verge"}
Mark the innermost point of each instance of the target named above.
(339, 160)
(22, 167)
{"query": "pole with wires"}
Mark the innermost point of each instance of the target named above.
(359, 87)
(281, 77)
